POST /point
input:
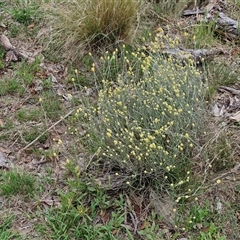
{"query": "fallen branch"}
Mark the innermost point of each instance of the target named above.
(229, 89)
(226, 25)
(12, 55)
(198, 55)
(56, 123)
(192, 12)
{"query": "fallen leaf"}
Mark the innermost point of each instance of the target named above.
(234, 52)
(5, 150)
(3, 161)
(24, 230)
(144, 225)
(216, 111)
(163, 207)
(205, 229)
(238, 216)
(235, 116)
(2, 25)
(6, 42)
(114, 231)
(31, 25)
(1, 123)
(11, 56)
(219, 206)
(137, 210)
(199, 225)
(105, 216)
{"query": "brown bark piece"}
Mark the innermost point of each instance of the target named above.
(12, 54)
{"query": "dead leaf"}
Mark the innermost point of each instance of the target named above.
(235, 168)
(114, 231)
(163, 207)
(238, 216)
(11, 56)
(216, 111)
(219, 206)
(199, 225)
(1, 123)
(3, 161)
(145, 224)
(32, 25)
(5, 150)
(105, 216)
(231, 178)
(210, 5)
(24, 230)
(137, 210)
(6, 43)
(128, 202)
(235, 116)
(2, 25)
(205, 229)
(234, 52)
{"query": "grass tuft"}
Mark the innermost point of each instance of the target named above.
(6, 232)
(14, 182)
(76, 24)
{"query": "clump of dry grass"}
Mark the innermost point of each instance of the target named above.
(79, 23)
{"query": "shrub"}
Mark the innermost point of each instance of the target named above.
(147, 123)
(78, 23)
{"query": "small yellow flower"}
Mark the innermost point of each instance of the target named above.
(79, 110)
(218, 181)
(54, 154)
(152, 145)
(77, 169)
(68, 161)
(174, 210)
(73, 79)
(76, 71)
(40, 100)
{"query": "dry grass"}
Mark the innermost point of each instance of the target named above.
(80, 23)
